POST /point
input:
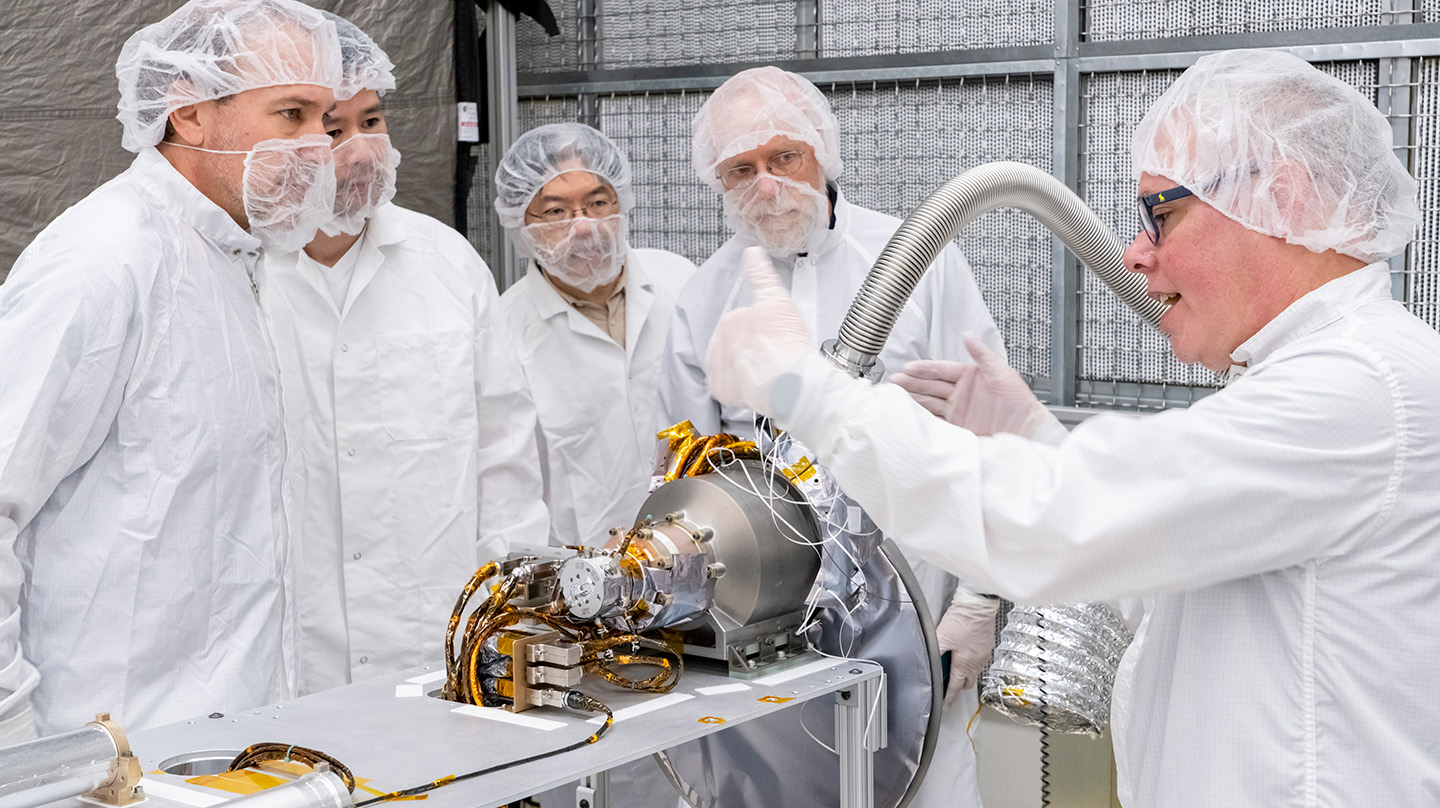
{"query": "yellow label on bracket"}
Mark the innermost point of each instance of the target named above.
(775, 699)
(712, 719)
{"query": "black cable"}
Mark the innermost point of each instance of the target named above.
(574, 699)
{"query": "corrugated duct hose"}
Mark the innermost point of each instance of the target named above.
(1054, 666)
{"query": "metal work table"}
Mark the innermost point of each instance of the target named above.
(392, 736)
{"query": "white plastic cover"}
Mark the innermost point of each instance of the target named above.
(210, 49)
(1285, 150)
(755, 106)
(364, 180)
(546, 152)
(363, 64)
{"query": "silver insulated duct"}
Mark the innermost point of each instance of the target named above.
(1054, 666)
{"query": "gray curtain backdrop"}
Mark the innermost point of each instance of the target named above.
(59, 139)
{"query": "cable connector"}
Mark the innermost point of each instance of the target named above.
(576, 700)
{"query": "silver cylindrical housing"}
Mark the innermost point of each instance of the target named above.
(49, 769)
(318, 789)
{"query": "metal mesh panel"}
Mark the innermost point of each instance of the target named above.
(640, 33)
(868, 27)
(536, 51)
(1158, 19)
(1422, 287)
(901, 141)
(1116, 348)
(1123, 362)
(673, 210)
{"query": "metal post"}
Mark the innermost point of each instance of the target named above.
(594, 791)
(807, 29)
(504, 115)
(860, 719)
(1065, 280)
(588, 34)
(1395, 98)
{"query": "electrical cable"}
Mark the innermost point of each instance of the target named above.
(574, 700)
(286, 753)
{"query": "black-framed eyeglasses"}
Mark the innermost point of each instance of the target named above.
(1147, 205)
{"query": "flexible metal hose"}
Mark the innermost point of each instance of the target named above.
(935, 222)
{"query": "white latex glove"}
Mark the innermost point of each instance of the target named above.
(754, 344)
(18, 724)
(967, 631)
(987, 398)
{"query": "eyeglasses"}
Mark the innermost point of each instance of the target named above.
(781, 164)
(1147, 209)
(594, 209)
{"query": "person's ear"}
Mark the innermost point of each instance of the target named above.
(192, 122)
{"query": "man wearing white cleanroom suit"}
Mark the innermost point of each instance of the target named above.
(768, 141)
(590, 318)
(409, 431)
(1283, 529)
(140, 444)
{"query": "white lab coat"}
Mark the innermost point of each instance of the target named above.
(140, 454)
(945, 305)
(412, 456)
(596, 399)
(1287, 529)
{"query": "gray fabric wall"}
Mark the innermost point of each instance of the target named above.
(59, 138)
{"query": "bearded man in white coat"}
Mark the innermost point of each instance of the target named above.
(142, 541)
(410, 434)
(769, 143)
(590, 318)
(1283, 531)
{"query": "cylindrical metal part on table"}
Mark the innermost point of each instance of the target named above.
(57, 767)
(318, 789)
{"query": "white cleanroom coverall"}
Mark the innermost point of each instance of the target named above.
(595, 398)
(1286, 528)
(140, 456)
(945, 305)
(411, 441)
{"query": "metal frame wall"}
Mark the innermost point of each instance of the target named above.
(1396, 43)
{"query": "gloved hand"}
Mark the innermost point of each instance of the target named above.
(754, 344)
(18, 724)
(986, 398)
(967, 631)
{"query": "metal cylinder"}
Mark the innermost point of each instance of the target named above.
(56, 767)
(935, 222)
(318, 789)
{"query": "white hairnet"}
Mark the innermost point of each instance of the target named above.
(210, 49)
(755, 106)
(1285, 150)
(544, 153)
(363, 65)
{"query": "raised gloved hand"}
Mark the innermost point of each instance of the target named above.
(987, 398)
(967, 631)
(754, 344)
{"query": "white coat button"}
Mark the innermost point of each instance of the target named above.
(364, 659)
(344, 348)
(351, 452)
(356, 556)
